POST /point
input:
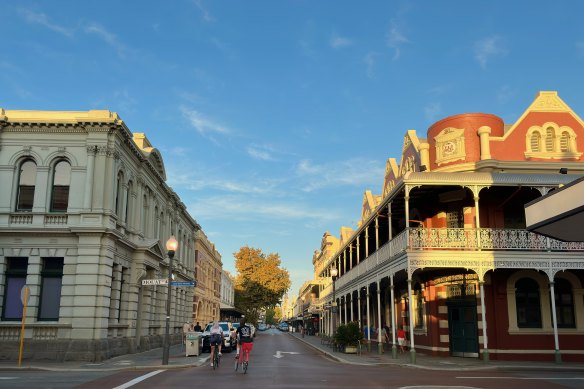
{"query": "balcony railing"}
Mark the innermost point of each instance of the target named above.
(470, 239)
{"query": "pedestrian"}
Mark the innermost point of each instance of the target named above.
(198, 327)
(301, 329)
(186, 328)
(385, 333)
(401, 339)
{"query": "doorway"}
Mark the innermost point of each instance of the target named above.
(463, 329)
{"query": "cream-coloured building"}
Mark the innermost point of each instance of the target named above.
(228, 309)
(84, 216)
(207, 298)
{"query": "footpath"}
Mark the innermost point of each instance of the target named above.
(152, 359)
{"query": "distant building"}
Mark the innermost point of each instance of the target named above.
(84, 216)
(207, 298)
(228, 309)
(444, 251)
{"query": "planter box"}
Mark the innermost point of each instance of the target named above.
(350, 349)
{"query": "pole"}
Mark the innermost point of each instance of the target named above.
(334, 308)
(166, 348)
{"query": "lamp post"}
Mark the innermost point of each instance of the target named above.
(303, 330)
(171, 245)
(334, 273)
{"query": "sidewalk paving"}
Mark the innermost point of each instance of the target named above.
(152, 359)
(429, 362)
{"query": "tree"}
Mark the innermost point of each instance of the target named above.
(260, 282)
(273, 315)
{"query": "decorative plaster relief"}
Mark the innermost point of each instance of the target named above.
(450, 145)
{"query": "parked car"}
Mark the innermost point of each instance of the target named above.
(227, 346)
(262, 327)
(283, 326)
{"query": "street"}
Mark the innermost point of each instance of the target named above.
(281, 361)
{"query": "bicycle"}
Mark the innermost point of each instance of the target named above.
(216, 359)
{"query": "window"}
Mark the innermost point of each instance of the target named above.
(26, 184)
(51, 280)
(128, 194)
(60, 191)
(550, 139)
(527, 301)
(418, 307)
(15, 280)
(536, 142)
(564, 303)
(565, 142)
(119, 194)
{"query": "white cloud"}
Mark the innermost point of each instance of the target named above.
(358, 172)
(263, 153)
(246, 208)
(204, 125)
(43, 20)
(432, 111)
(370, 60)
(395, 38)
(206, 15)
(338, 42)
(199, 178)
(108, 37)
(488, 48)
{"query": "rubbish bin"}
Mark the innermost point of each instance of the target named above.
(192, 346)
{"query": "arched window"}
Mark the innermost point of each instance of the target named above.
(536, 142)
(26, 184)
(528, 305)
(564, 303)
(565, 142)
(128, 203)
(119, 194)
(419, 307)
(60, 188)
(550, 139)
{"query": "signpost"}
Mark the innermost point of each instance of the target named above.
(183, 283)
(160, 281)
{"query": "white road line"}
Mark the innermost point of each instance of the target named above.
(523, 378)
(139, 379)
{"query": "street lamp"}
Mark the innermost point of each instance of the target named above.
(171, 245)
(334, 273)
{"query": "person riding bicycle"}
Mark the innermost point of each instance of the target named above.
(244, 340)
(216, 339)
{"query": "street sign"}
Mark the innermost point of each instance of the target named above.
(160, 281)
(183, 283)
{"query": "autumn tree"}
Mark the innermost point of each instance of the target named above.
(260, 282)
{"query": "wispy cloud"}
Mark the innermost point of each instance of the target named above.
(395, 38)
(43, 20)
(261, 152)
(205, 126)
(370, 61)
(432, 111)
(245, 208)
(108, 37)
(203, 179)
(338, 42)
(487, 49)
(206, 15)
(357, 172)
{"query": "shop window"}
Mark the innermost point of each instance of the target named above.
(527, 300)
(26, 186)
(564, 303)
(15, 279)
(60, 188)
(51, 281)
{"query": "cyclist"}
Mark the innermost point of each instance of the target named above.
(216, 339)
(244, 341)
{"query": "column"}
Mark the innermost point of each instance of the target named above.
(368, 322)
(366, 240)
(558, 355)
(376, 233)
(91, 150)
(411, 315)
(350, 256)
(484, 314)
(393, 321)
(359, 307)
(484, 133)
(379, 340)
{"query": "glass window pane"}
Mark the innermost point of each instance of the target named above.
(28, 173)
(60, 198)
(50, 298)
(13, 306)
(62, 174)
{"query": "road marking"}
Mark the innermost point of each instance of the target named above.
(523, 378)
(279, 353)
(8, 378)
(139, 379)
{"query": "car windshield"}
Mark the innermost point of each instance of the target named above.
(223, 326)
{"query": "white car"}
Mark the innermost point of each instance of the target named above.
(227, 344)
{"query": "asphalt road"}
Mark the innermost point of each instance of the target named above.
(281, 361)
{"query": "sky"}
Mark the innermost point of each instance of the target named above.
(274, 117)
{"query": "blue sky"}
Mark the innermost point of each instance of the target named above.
(273, 117)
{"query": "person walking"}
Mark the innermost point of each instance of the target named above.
(401, 339)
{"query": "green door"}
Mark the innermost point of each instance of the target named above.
(463, 331)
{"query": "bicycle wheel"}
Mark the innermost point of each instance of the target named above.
(245, 367)
(236, 364)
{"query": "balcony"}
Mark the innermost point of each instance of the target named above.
(457, 239)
